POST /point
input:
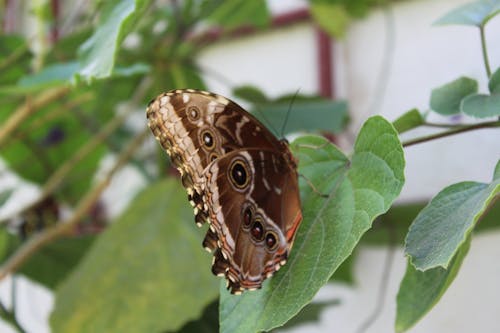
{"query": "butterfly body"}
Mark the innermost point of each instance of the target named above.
(239, 177)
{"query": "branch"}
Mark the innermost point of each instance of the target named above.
(59, 175)
(428, 124)
(10, 318)
(14, 56)
(485, 51)
(456, 130)
(25, 110)
(64, 227)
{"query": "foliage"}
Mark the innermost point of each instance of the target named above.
(146, 271)
(139, 264)
(332, 226)
(334, 16)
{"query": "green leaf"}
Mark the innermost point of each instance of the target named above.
(97, 54)
(43, 142)
(52, 75)
(491, 220)
(447, 98)
(236, 13)
(481, 106)
(251, 94)
(7, 243)
(135, 69)
(392, 227)
(345, 272)
(304, 115)
(445, 223)
(53, 263)
(207, 323)
(311, 313)
(476, 13)
(185, 76)
(496, 173)
(146, 273)
(14, 59)
(333, 18)
(494, 84)
(420, 291)
(359, 189)
(409, 120)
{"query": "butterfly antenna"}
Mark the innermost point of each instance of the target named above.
(287, 116)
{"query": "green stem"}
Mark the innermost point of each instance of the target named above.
(441, 125)
(14, 57)
(485, 52)
(10, 318)
(457, 130)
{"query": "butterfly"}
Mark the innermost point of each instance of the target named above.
(239, 178)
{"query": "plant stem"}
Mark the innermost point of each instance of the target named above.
(12, 58)
(485, 52)
(10, 318)
(30, 106)
(64, 227)
(458, 129)
(441, 125)
(58, 177)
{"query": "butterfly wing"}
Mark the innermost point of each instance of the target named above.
(254, 208)
(196, 127)
(215, 144)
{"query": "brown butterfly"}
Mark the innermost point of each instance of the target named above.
(239, 178)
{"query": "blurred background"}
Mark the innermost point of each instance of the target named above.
(363, 57)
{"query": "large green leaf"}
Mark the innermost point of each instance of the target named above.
(47, 139)
(447, 98)
(62, 73)
(52, 75)
(304, 115)
(14, 59)
(207, 323)
(236, 13)
(420, 291)
(146, 273)
(476, 13)
(53, 263)
(97, 54)
(293, 112)
(445, 223)
(358, 190)
(251, 93)
(392, 227)
(311, 313)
